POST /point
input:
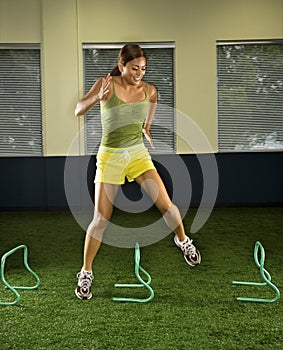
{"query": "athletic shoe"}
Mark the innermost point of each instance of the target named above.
(191, 253)
(83, 290)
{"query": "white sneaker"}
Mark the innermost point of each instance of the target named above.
(191, 253)
(83, 290)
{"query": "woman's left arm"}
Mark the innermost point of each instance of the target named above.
(152, 92)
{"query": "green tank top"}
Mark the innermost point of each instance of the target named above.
(122, 122)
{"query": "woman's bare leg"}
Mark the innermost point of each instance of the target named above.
(151, 182)
(104, 198)
(154, 186)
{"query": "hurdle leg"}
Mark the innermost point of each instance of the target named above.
(142, 284)
(14, 289)
(264, 275)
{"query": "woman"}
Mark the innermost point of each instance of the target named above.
(128, 105)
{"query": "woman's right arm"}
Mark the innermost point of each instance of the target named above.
(97, 93)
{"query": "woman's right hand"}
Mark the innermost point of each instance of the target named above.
(98, 92)
(104, 90)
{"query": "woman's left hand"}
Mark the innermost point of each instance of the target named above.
(148, 136)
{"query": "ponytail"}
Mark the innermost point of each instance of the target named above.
(115, 72)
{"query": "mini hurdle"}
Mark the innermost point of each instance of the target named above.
(142, 284)
(265, 276)
(14, 289)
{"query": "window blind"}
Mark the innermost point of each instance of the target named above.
(250, 96)
(20, 101)
(100, 59)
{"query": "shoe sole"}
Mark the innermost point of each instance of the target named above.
(188, 262)
(82, 298)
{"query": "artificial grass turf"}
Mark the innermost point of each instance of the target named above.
(193, 307)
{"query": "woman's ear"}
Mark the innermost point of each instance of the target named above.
(120, 67)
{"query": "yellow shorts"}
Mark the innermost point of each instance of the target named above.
(115, 164)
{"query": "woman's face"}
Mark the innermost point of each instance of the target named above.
(134, 70)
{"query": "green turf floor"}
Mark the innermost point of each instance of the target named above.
(193, 308)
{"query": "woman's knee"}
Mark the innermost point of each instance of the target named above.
(166, 208)
(170, 211)
(98, 224)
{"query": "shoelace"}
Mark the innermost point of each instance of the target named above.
(85, 280)
(189, 248)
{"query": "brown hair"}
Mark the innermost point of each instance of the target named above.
(127, 53)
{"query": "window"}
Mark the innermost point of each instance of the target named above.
(250, 96)
(20, 100)
(99, 59)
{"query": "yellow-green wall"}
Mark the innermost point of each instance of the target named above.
(62, 25)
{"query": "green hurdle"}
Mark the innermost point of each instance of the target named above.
(265, 277)
(142, 284)
(14, 289)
